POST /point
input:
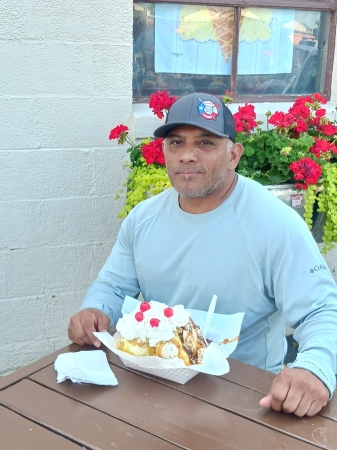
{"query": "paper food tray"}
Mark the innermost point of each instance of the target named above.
(215, 357)
(178, 375)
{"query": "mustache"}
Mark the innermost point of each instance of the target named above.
(187, 168)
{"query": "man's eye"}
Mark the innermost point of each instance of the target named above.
(205, 142)
(175, 142)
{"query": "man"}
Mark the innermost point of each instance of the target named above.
(219, 233)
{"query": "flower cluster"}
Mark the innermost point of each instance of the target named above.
(297, 146)
(245, 119)
(153, 152)
(308, 170)
(301, 149)
(148, 152)
(160, 102)
(303, 138)
(120, 132)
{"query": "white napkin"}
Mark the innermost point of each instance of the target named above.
(85, 367)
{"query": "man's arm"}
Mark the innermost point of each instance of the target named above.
(102, 304)
(306, 293)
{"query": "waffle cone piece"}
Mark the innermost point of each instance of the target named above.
(223, 24)
(135, 347)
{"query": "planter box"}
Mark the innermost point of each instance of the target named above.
(294, 198)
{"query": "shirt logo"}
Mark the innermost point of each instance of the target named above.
(317, 268)
(208, 110)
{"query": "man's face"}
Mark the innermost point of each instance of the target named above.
(197, 161)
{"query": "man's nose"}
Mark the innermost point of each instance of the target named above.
(188, 153)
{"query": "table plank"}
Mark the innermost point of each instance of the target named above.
(258, 380)
(76, 421)
(242, 374)
(172, 415)
(19, 374)
(18, 433)
(231, 397)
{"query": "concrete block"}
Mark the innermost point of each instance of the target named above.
(107, 224)
(111, 69)
(110, 171)
(35, 271)
(59, 69)
(3, 277)
(45, 174)
(20, 224)
(82, 220)
(74, 122)
(14, 22)
(17, 130)
(102, 20)
(101, 251)
(36, 325)
(61, 122)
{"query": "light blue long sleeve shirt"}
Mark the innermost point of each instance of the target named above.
(253, 251)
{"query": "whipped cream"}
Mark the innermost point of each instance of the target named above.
(169, 351)
(153, 322)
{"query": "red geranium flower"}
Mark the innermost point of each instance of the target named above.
(299, 110)
(307, 170)
(153, 152)
(282, 120)
(319, 98)
(300, 126)
(320, 112)
(322, 147)
(120, 132)
(161, 101)
(245, 118)
(327, 128)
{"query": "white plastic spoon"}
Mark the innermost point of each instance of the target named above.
(210, 312)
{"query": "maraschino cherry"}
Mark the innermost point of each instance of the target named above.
(168, 312)
(154, 322)
(144, 306)
(139, 316)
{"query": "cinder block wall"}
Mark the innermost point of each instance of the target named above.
(65, 81)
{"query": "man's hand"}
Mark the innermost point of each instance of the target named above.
(83, 323)
(296, 391)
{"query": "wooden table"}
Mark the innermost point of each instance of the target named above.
(145, 412)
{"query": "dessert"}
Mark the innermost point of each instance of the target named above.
(155, 329)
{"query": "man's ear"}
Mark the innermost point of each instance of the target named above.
(235, 155)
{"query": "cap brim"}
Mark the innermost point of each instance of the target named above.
(164, 130)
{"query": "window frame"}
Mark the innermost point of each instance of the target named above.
(308, 5)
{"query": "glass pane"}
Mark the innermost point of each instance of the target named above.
(182, 48)
(282, 51)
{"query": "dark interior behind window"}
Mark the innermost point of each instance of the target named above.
(261, 52)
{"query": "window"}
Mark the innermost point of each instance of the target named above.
(268, 51)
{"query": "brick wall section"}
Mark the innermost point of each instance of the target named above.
(65, 80)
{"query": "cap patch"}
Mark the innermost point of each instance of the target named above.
(208, 110)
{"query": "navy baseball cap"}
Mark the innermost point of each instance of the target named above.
(202, 110)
